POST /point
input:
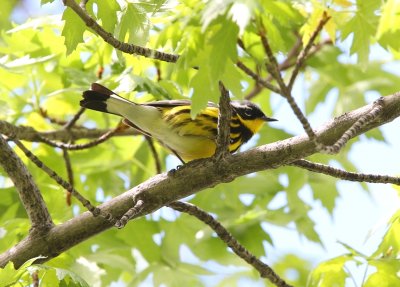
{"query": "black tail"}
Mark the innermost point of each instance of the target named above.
(96, 98)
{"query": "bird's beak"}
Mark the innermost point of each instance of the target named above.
(267, 119)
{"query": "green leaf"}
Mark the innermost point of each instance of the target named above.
(156, 89)
(375, 134)
(53, 276)
(390, 245)
(212, 59)
(107, 12)
(288, 263)
(324, 189)
(386, 274)
(73, 30)
(113, 256)
(223, 43)
(169, 276)
(213, 10)
(140, 234)
(306, 227)
(352, 251)
(330, 273)
(134, 25)
(389, 21)
(205, 88)
(255, 242)
(232, 79)
(8, 275)
(363, 27)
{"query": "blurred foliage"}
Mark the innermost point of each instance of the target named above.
(46, 63)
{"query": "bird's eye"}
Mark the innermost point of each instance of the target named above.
(247, 113)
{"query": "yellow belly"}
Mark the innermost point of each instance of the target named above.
(195, 148)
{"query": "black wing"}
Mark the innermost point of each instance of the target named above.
(174, 103)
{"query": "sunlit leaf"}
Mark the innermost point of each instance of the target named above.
(73, 30)
(330, 273)
(108, 13)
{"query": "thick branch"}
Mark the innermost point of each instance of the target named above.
(63, 135)
(165, 188)
(224, 118)
(28, 191)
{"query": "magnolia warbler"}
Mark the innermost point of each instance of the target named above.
(170, 121)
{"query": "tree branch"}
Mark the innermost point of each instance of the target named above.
(224, 118)
(264, 270)
(110, 39)
(285, 92)
(153, 151)
(69, 146)
(76, 117)
(365, 119)
(346, 175)
(303, 54)
(70, 173)
(287, 63)
(28, 191)
(165, 188)
(257, 78)
(66, 185)
(27, 133)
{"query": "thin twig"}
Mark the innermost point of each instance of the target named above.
(224, 118)
(285, 92)
(76, 117)
(303, 54)
(35, 278)
(288, 63)
(109, 38)
(159, 75)
(346, 175)
(66, 125)
(132, 212)
(264, 270)
(292, 54)
(70, 174)
(52, 120)
(99, 72)
(154, 153)
(86, 203)
(355, 128)
(67, 159)
(27, 189)
(274, 66)
(257, 78)
(254, 92)
(90, 144)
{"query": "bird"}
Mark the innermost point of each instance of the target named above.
(170, 121)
